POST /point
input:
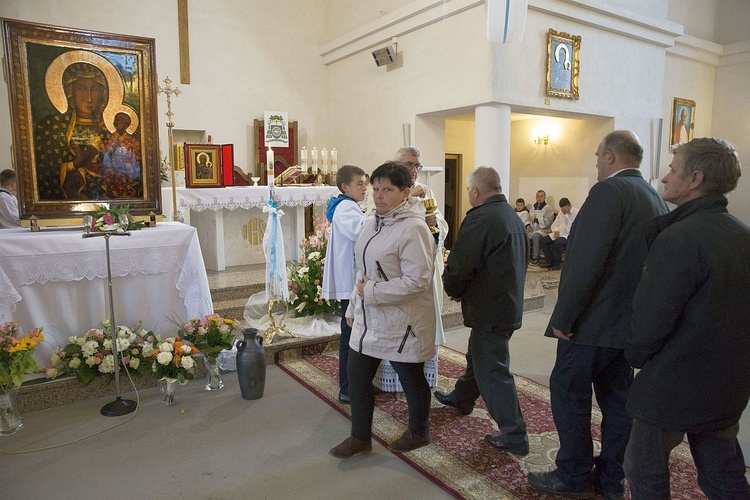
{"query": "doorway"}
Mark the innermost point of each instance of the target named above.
(452, 196)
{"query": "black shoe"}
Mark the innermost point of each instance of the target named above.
(555, 268)
(494, 441)
(343, 398)
(447, 400)
(608, 495)
(548, 482)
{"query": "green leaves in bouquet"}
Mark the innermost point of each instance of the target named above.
(210, 334)
(306, 276)
(105, 217)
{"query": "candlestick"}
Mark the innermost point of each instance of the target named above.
(270, 162)
(324, 161)
(334, 161)
(303, 160)
(314, 160)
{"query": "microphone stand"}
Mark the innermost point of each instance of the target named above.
(119, 406)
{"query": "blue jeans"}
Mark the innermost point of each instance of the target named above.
(553, 249)
(577, 369)
(717, 455)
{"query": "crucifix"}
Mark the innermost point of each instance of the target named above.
(169, 91)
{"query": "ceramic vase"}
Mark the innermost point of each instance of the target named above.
(251, 365)
(10, 419)
(213, 375)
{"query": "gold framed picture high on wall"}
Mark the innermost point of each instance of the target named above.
(683, 121)
(83, 114)
(563, 64)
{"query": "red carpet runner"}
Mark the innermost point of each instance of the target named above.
(457, 459)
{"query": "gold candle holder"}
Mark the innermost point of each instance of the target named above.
(276, 330)
(430, 206)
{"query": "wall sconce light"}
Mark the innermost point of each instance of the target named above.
(541, 139)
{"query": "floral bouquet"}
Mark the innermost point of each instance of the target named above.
(91, 355)
(173, 360)
(306, 276)
(16, 354)
(446, 253)
(210, 334)
(108, 219)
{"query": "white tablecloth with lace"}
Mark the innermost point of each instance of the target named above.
(226, 219)
(58, 280)
(243, 197)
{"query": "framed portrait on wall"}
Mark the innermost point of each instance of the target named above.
(683, 121)
(203, 165)
(563, 65)
(83, 113)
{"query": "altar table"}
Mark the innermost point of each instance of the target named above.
(230, 220)
(58, 280)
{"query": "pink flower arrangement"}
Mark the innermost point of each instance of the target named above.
(306, 276)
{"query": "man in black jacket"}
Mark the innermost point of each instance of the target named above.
(689, 330)
(605, 252)
(486, 271)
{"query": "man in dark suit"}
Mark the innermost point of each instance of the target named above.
(605, 254)
(486, 271)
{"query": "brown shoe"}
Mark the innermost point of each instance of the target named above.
(408, 442)
(351, 446)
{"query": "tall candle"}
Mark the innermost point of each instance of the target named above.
(270, 162)
(324, 160)
(303, 160)
(314, 160)
(334, 161)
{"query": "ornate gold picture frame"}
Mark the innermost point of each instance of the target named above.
(683, 121)
(83, 113)
(563, 64)
(203, 165)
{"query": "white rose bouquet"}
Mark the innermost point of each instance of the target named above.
(91, 355)
(173, 359)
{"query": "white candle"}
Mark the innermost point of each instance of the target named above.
(270, 162)
(314, 159)
(334, 160)
(324, 160)
(303, 160)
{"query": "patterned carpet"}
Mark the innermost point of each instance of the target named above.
(457, 459)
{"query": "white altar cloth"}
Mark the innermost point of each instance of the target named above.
(242, 197)
(230, 220)
(58, 280)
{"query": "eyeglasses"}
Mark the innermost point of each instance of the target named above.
(411, 164)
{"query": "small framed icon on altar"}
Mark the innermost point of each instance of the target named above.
(203, 166)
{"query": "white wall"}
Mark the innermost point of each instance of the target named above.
(443, 67)
(731, 109)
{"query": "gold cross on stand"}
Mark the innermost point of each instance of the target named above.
(169, 91)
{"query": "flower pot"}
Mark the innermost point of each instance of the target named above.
(169, 388)
(213, 375)
(251, 365)
(10, 419)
